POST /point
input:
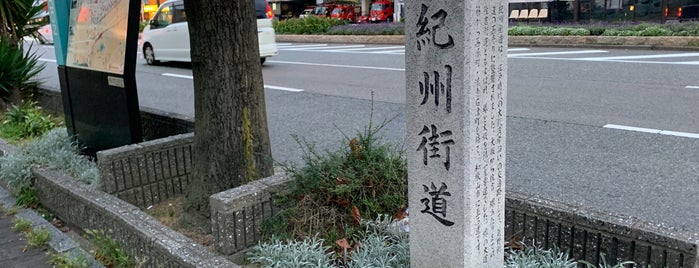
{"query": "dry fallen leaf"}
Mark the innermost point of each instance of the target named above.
(342, 243)
(356, 215)
(401, 214)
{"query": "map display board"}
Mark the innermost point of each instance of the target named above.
(97, 35)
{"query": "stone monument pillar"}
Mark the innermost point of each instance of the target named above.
(456, 79)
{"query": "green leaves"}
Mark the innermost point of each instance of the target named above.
(26, 120)
(108, 251)
(310, 25)
(17, 69)
(16, 20)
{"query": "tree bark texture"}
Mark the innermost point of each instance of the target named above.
(231, 141)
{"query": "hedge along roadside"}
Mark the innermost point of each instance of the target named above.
(639, 42)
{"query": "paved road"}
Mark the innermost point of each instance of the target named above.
(613, 129)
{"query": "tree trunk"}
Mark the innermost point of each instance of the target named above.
(231, 140)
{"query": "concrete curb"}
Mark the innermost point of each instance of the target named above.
(637, 42)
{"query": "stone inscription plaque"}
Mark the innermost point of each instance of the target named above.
(456, 78)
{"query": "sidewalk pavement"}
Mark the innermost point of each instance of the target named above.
(12, 244)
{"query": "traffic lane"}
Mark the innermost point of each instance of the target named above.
(651, 177)
(555, 160)
(600, 93)
(359, 82)
(648, 176)
(327, 123)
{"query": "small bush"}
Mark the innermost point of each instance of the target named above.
(331, 192)
(18, 70)
(310, 25)
(25, 121)
(108, 251)
(55, 149)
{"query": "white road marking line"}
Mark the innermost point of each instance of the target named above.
(284, 88)
(654, 131)
(657, 56)
(340, 66)
(300, 46)
(639, 129)
(372, 48)
(555, 53)
(518, 49)
(266, 86)
(680, 134)
(400, 51)
(179, 76)
(48, 60)
(619, 61)
(324, 49)
(692, 87)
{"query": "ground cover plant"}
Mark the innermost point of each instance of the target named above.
(55, 149)
(368, 29)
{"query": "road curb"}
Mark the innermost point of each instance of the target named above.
(638, 42)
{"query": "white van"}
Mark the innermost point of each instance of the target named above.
(166, 38)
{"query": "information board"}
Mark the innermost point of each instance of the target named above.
(97, 35)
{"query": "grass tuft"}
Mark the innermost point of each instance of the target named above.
(108, 251)
(21, 225)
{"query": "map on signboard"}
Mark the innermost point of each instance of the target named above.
(97, 35)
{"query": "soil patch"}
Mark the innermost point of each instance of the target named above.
(168, 213)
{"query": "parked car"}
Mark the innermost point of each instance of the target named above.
(688, 13)
(307, 12)
(166, 38)
(324, 10)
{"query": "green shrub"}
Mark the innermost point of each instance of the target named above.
(310, 25)
(366, 178)
(18, 70)
(108, 251)
(25, 121)
(55, 149)
(655, 31)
